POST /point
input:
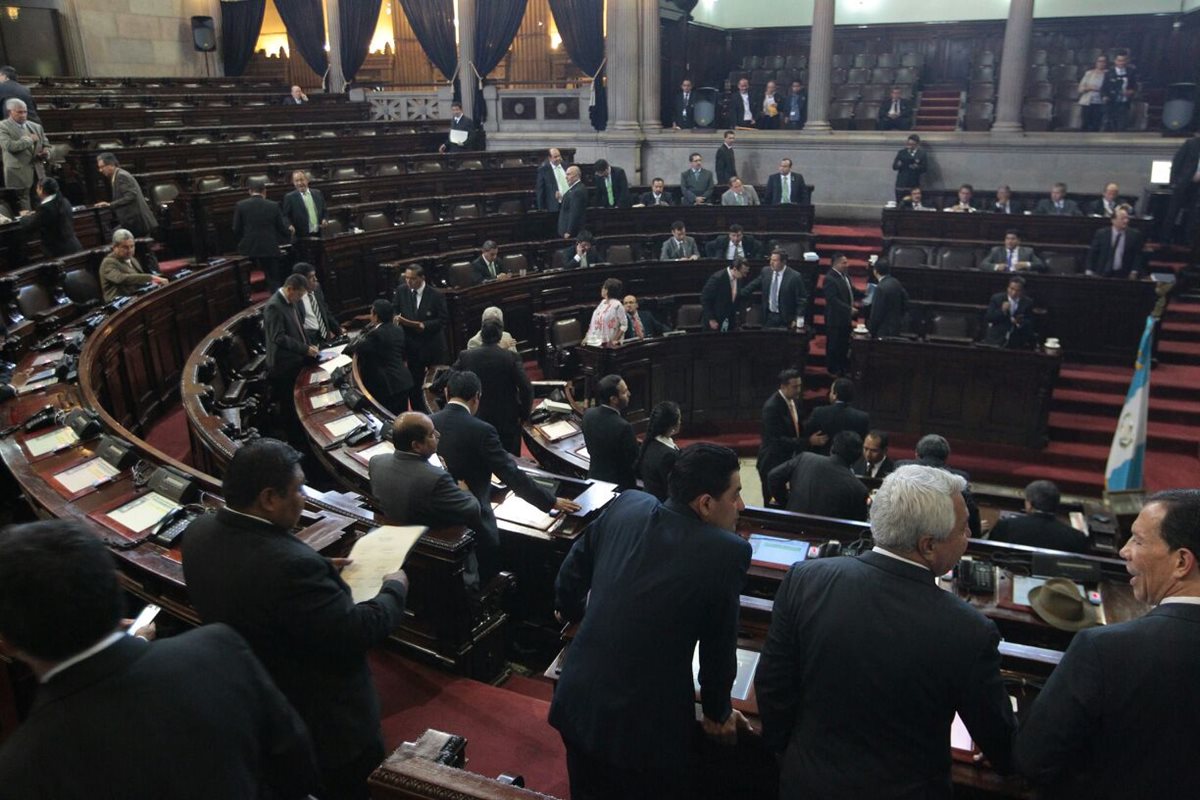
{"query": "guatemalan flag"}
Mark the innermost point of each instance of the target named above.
(1127, 456)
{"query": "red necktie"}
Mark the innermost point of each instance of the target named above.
(637, 326)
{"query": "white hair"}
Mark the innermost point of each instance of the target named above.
(14, 102)
(493, 312)
(914, 501)
(121, 235)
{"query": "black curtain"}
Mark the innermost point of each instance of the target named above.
(358, 20)
(433, 23)
(305, 23)
(241, 21)
(496, 23)
(581, 25)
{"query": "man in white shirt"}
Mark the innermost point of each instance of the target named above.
(551, 182)
(741, 106)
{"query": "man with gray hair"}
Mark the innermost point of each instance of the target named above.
(507, 342)
(120, 272)
(868, 659)
(25, 149)
(128, 202)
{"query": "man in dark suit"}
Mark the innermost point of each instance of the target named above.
(580, 255)
(1106, 204)
(303, 208)
(612, 447)
(735, 244)
(780, 428)
(1009, 317)
(875, 461)
(201, 695)
(794, 108)
(260, 229)
(1119, 88)
(1058, 203)
(128, 203)
(684, 106)
(828, 421)
(297, 97)
(244, 568)
(473, 454)
(786, 186)
(422, 310)
(650, 581)
(1116, 719)
(380, 354)
(11, 88)
(458, 122)
(822, 682)
(914, 201)
(741, 110)
(1004, 202)
(696, 184)
(287, 349)
(840, 295)
(612, 187)
(1116, 251)
(784, 298)
(933, 450)
(1038, 527)
(52, 221)
(822, 485)
(551, 182)
(1185, 187)
(318, 321)
(910, 164)
(726, 163)
(487, 267)
(889, 303)
(642, 324)
(507, 393)
(573, 207)
(1012, 256)
(658, 194)
(720, 295)
(895, 113)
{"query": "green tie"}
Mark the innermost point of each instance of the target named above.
(608, 183)
(312, 212)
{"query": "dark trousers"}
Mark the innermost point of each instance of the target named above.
(283, 393)
(138, 228)
(349, 781)
(272, 268)
(1093, 117)
(1183, 198)
(837, 348)
(416, 395)
(593, 779)
(774, 320)
(1117, 116)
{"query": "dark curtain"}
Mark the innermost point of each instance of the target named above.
(357, 20)
(581, 25)
(496, 23)
(241, 21)
(433, 23)
(305, 23)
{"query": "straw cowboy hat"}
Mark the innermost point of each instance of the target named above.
(1060, 604)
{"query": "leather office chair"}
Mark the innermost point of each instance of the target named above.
(1037, 114)
(859, 76)
(978, 116)
(511, 162)
(841, 115)
(957, 258)
(420, 216)
(1041, 90)
(460, 275)
(162, 194)
(847, 94)
(1066, 90)
(1037, 74)
(915, 60)
(513, 263)
(82, 288)
(112, 144)
(244, 137)
(471, 163)
(864, 60)
(887, 60)
(688, 316)
(332, 227)
(387, 169)
(375, 221)
(153, 141)
(211, 183)
(983, 74)
(511, 206)
(875, 93)
(957, 326)
(908, 255)
(465, 211)
(1068, 115)
(1061, 263)
(343, 174)
(866, 116)
(754, 316)
(981, 91)
(620, 254)
(883, 75)
(427, 166)
(774, 62)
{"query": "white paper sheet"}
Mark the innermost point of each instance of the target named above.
(558, 430)
(519, 512)
(343, 425)
(377, 450)
(48, 358)
(35, 385)
(51, 441)
(320, 376)
(335, 362)
(378, 553)
(85, 475)
(325, 399)
(747, 665)
(458, 137)
(143, 513)
(330, 352)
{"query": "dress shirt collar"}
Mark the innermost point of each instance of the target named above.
(884, 552)
(669, 442)
(244, 515)
(103, 644)
(1190, 600)
(613, 409)
(456, 402)
(50, 199)
(732, 276)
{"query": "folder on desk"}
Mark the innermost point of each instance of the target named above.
(558, 430)
(519, 512)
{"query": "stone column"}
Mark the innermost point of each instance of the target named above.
(1013, 60)
(333, 32)
(466, 56)
(651, 76)
(820, 68)
(621, 47)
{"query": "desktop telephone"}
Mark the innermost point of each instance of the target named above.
(976, 577)
(172, 526)
(40, 419)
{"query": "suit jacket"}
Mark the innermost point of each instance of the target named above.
(411, 491)
(651, 326)
(201, 696)
(1184, 164)
(902, 122)
(463, 123)
(10, 89)
(1081, 736)
(620, 190)
(999, 255)
(664, 199)
(886, 467)
(749, 197)
(286, 346)
(726, 164)
(481, 273)
(119, 278)
(289, 603)
(545, 188)
(1112, 87)
(914, 655)
(888, 306)
(297, 215)
(793, 297)
(684, 113)
(719, 246)
(55, 226)
(717, 301)
(693, 185)
(1101, 253)
(1039, 529)
(785, 110)
(655, 580)
(1014, 207)
(780, 437)
(259, 227)
(19, 154)
(1046, 206)
(130, 206)
(839, 301)
(381, 362)
(1099, 209)
(611, 445)
(832, 419)
(798, 190)
(572, 211)
(293, 101)
(1002, 331)
(565, 258)
(673, 249)
(655, 468)
(814, 484)
(736, 108)
(427, 347)
(507, 392)
(909, 167)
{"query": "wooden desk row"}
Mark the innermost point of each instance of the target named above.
(61, 120)
(217, 84)
(266, 130)
(93, 228)
(1036, 229)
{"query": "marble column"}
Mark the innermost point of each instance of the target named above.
(651, 73)
(621, 47)
(820, 68)
(466, 56)
(333, 32)
(1018, 32)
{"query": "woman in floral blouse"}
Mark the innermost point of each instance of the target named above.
(608, 324)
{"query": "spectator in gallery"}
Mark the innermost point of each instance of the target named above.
(684, 107)
(1091, 96)
(741, 106)
(1119, 89)
(795, 107)
(895, 114)
(609, 321)
(769, 119)
(965, 202)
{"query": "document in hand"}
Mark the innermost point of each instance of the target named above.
(378, 553)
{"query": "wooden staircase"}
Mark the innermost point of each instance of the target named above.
(938, 108)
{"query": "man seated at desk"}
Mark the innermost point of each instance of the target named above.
(822, 485)
(120, 272)
(680, 247)
(53, 220)
(642, 324)
(1004, 202)
(658, 195)
(1106, 204)
(739, 194)
(965, 202)
(487, 266)
(1012, 256)
(736, 243)
(1058, 204)
(915, 201)
(1010, 317)
(1038, 527)
(580, 255)
(875, 461)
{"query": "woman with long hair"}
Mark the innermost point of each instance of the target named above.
(659, 451)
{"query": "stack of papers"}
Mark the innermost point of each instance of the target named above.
(90, 473)
(325, 399)
(50, 442)
(519, 512)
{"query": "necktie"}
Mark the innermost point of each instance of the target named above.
(608, 186)
(787, 188)
(311, 207)
(1059, 205)
(491, 265)
(415, 302)
(1117, 253)
(299, 324)
(795, 416)
(1012, 259)
(560, 177)
(773, 306)
(895, 108)
(311, 307)
(638, 331)
(685, 98)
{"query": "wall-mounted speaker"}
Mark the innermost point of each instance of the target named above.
(204, 34)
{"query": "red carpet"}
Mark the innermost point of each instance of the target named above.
(169, 433)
